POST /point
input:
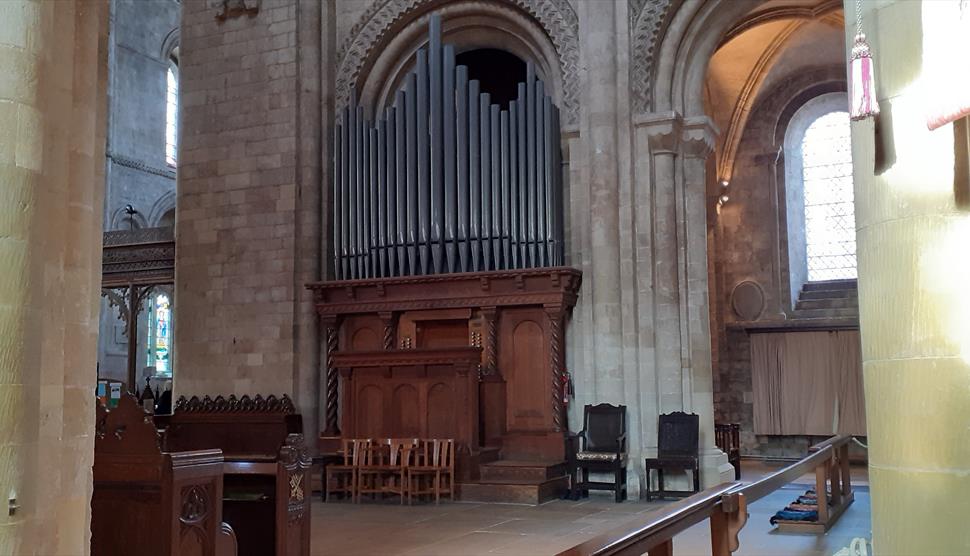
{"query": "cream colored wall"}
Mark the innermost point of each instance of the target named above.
(914, 268)
(53, 72)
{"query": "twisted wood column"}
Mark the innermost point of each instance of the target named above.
(555, 314)
(389, 320)
(331, 330)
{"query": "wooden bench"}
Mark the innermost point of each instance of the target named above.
(150, 502)
(266, 497)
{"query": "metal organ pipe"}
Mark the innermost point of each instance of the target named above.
(446, 181)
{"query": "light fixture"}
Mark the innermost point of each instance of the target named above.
(723, 198)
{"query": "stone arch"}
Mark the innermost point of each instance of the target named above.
(367, 50)
(672, 42)
(160, 208)
(170, 45)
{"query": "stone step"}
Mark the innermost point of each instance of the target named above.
(521, 470)
(827, 313)
(829, 285)
(511, 491)
(828, 294)
(843, 303)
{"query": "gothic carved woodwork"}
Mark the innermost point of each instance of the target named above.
(163, 503)
(332, 379)
(516, 317)
(266, 469)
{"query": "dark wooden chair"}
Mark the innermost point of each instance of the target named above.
(727, 437)
(676, 450)
(601, 449)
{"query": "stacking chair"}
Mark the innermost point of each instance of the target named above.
(602, 449)
(434, 460)
(384, 467)
(677, 450)
(343, 477)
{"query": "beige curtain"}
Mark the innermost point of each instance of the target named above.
(807, 383)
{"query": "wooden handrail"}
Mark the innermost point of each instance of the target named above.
(822, 451)
(724, 504)
(662, 525)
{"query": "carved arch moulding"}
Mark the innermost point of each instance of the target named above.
(377, 25)
(647, 19)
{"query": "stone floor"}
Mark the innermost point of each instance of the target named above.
(374, 528)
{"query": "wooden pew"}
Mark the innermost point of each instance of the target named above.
(150, 502)
(266, 498)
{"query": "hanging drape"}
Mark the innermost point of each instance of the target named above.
(807, 383)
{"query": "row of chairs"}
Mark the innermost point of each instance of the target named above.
(405, 467)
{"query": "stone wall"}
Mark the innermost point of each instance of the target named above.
(248, 235)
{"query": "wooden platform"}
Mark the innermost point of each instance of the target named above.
(835, 511)
(516, 482)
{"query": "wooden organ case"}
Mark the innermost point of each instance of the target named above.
(447, 233)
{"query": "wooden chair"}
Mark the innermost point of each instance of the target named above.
(384, 468)
(676, 450)
(353, 450)
(602, 449)
(727, 437)
(434, 460)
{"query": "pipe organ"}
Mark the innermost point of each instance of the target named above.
(444, 180)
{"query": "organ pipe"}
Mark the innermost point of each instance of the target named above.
(444, 180)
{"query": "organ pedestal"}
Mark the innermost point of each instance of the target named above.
(515, 317)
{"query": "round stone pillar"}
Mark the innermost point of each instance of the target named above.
(52, 106)
(912, 198)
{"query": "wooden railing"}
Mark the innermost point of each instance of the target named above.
(726, 506)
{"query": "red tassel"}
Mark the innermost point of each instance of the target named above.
(862, 87)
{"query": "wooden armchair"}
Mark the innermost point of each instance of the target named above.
(602, 449)
(727, 437)
(435, 460)
(342, 477)
(676, 450)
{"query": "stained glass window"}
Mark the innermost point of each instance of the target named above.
(160, 336)
(829, 208)
(171, 116)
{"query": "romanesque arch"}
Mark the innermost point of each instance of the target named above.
(381, 40)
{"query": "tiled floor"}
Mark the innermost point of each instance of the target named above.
(374, 529)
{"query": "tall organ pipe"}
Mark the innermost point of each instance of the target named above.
(444, 180)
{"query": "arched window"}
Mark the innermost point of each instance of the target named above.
(171, 113)
(160, 335)
(818, 193)
(829, 209)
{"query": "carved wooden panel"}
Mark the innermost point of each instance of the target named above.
(523, 363)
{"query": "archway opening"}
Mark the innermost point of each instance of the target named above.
(499, 72)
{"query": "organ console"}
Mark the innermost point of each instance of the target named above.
(446, 181)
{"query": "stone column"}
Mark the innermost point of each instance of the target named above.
(698, 141)
(599, 49)
(913, 247)
(52, 109)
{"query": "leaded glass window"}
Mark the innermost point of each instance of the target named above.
(171, 116)
(829, 208)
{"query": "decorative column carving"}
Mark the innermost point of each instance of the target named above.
(331, 329)
(555, 314)
(490, 349)
(389, 320)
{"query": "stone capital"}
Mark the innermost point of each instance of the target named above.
(663, 131)
(699, 137)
